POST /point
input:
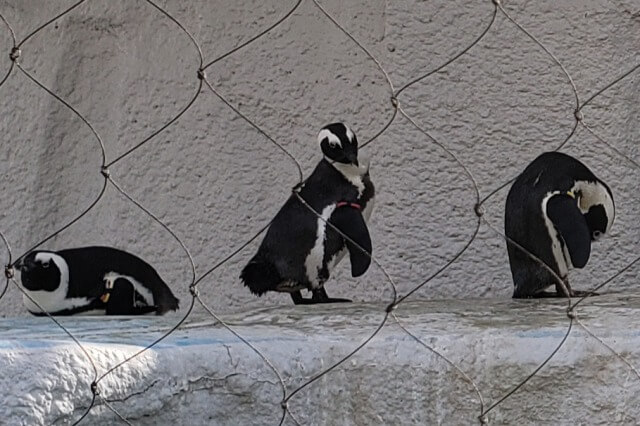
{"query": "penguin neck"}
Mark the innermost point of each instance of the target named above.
(352, 173)
(347, 169)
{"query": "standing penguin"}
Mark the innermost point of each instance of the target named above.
(300, 250)
(555, 208)
(102, 279)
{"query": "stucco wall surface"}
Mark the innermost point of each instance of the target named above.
(215, 180)
(203, 375)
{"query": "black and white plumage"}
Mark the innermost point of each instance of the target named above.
(555, 209)
(100, 280)
(300, 250)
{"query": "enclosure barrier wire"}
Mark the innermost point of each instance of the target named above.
(202, 84)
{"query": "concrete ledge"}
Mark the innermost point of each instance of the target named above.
(202, 374)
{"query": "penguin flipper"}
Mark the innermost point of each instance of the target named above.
(568, 219)
(121, 300)
(351, 223)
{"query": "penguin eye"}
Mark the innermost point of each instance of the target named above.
(45, 264)
(597, 235)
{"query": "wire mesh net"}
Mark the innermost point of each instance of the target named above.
(190, 85)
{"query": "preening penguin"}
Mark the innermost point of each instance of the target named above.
(555, 209)
(87, 279)
(300, 250)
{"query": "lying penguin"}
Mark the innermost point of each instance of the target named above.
(100, 280)
(555, 208)
(300, 250)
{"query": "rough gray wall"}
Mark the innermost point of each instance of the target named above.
(215, 180)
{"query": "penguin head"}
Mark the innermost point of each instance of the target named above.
(339, 143)
(39, 270)
(595, 201)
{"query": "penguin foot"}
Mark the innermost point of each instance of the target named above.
(564, 290)
(335, 300)
(549, 294)
(299, 300)
(581, 293)
(545, 294)
(572, 292)
(318, 296)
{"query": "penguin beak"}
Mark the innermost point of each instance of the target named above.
(23, 265)
(19, 264)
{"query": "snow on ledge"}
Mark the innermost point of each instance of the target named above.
(202, 374)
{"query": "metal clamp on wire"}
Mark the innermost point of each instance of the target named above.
(194, 291)
(298, 187)
(9, 272)
(15, 54)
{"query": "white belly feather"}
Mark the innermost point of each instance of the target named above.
(313, 262)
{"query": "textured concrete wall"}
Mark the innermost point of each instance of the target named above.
(215, 180)
(204, 374)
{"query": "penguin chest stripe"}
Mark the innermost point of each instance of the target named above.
(558, 247)
(314, 261)
(353, 174)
